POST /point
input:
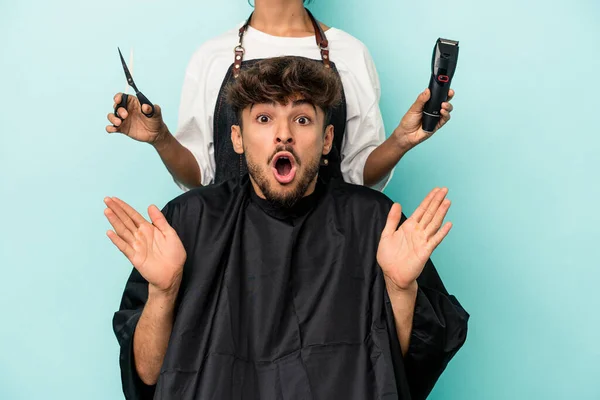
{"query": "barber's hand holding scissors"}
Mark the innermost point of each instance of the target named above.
(134, 123)
(135, 115)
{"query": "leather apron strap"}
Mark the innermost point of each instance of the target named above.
(320, 38)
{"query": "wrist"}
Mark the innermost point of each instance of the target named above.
(400, 136)
(167, 295)
(410, 288)
(163, 138)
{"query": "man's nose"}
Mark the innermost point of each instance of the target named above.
(284, 134)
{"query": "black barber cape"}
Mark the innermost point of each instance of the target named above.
(289, 304)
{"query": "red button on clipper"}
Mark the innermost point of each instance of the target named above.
(443, 78)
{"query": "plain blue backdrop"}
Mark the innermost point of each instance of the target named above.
(520, 157)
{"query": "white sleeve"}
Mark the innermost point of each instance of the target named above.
(364, 125)
(194, 130)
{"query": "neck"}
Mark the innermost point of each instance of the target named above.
(281, 18)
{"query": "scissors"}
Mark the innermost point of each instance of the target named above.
(143, 99)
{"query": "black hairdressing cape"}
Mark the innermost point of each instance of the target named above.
(289, 304)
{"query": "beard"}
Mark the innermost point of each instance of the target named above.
(286, 198)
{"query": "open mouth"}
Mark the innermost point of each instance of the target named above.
(284, 167)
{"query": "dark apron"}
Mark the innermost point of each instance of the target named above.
(229, 164)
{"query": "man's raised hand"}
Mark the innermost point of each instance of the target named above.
(154, 248)
(404, 250)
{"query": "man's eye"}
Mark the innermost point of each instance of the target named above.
(303, 120)
(263, 119)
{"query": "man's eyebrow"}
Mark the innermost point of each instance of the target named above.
(270, 103)
(300, 102)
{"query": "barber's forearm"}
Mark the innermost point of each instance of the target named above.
(151, 337)
(180, 162)
(382, 160)
(403, 305)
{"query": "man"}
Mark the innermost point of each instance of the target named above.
(277, 285)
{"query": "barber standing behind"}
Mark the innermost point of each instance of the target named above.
(200, 152)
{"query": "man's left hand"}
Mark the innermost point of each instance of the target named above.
(409, 132)
(403, 251)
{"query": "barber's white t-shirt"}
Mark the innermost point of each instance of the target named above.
(209, 64)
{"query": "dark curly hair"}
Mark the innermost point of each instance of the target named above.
(281, 79)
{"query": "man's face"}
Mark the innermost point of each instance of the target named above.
(283, 145)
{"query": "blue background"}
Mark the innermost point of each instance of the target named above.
(520, 158)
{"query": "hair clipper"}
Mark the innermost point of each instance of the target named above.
(443, 64)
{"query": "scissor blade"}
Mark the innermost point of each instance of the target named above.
(131, 69)
(127, 74)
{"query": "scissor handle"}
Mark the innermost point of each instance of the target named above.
(144, 100)
(123, 103)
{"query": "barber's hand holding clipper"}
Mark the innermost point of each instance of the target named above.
(132, 122)
(432, 108)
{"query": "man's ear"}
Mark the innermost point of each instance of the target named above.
(328, 140)
(236, 139)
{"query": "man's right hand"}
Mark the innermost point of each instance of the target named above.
(154, 248)
(135, 124)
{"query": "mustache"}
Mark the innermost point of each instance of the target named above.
(287, 148)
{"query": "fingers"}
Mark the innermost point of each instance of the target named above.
(393, 220)
(417, 106)
(111, 129)
(445, 117)
(438, 219)
(435, 203)
(126, 249)
(445, 113)
(447, 107)
(420, 211)
(136, 217)
(159, 220)
(440, 235)
(120, 228)
(120, 213)
(113, 119)
(121, 111)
